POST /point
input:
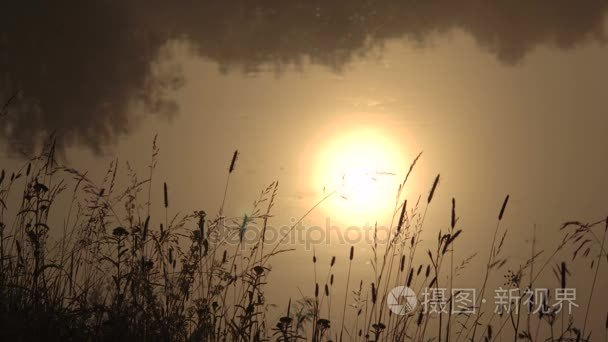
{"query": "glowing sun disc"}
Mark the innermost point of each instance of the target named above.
(362, 167)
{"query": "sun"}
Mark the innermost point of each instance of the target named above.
(361, 167)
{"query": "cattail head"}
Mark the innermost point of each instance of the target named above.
(419, 269)
(146, 224)
(243, 227)
(233, 162)
(410, 277)
(435, 183)
(2, 174)
(205, 247)
(402, 263)
(428, 270)
(374, 294)
(166, 196)
(225, 256)
(502, 209)
(401, 216)
(333, 261)
(316, 290)
(331, 279)
(326, 290)
(352, 253)
(453, 222)
(29, 168)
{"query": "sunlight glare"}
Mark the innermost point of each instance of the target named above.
(363, 167)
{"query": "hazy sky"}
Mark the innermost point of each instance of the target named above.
(503, 97)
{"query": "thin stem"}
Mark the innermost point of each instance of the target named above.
(597, 271)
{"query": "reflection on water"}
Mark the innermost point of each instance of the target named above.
(82, 67)
(89, 71)
(360, 168)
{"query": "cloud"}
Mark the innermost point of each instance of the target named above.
(80, 65)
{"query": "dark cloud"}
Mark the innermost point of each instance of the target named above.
(80, 64)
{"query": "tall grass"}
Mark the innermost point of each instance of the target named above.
(115, 268)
